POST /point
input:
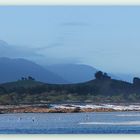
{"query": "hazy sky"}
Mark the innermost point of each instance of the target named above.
(107, 38)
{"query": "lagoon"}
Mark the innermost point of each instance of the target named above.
(71, 123)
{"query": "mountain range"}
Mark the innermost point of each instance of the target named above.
(12, 69)
(73, 73)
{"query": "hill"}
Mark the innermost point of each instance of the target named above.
(21, 83)
(100, 90)
(13, 69)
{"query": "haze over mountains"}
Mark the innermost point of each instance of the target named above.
(12, 67)
(74, 73)
(102, 37)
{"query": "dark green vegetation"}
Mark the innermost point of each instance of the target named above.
(101, 90)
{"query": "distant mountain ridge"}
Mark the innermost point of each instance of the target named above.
(14, 69)
(78, 73)
(3, 43)
(68, 73)
(74, 73)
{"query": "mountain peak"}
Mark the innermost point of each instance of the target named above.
(3, 43)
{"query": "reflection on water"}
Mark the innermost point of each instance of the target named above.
(112, 123)
(70, 123)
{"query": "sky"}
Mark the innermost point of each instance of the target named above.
(105, 37)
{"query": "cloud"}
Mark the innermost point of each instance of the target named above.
(13, 51)
(74, 24)
(49, 46)
(39, 55)
(58, 60)
(3, 43)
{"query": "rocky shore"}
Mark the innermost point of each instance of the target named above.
(53, 110)
(67, 108)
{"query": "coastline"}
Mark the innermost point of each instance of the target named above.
(67, 108)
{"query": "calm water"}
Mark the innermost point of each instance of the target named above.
(71, 123)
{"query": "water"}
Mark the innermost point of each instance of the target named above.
(71, 123)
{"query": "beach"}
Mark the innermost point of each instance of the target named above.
(68, 108)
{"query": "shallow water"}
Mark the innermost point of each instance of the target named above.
(71, 123)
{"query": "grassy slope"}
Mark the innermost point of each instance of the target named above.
(94, 90)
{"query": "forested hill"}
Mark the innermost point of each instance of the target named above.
(102, 89)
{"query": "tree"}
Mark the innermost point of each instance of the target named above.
(99, 75)
(106, 76)
(136, 81)
(31, 78)
(22, 78)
